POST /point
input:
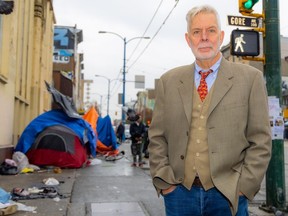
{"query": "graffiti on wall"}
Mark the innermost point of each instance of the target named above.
(65, 43)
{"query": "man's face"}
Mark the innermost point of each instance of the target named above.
(204, 37)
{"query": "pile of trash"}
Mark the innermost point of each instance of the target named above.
(46, 189)
(18, 164)
(35, 193)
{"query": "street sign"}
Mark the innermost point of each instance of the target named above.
(120, 96)
(139, 81)
(244, 43)
(243, 21)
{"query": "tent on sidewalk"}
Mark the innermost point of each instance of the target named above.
(54, 138)
(107, 140)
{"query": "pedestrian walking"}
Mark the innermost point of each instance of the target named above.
(210, 141)
(137, 131)
(146, 142)
(120, 132)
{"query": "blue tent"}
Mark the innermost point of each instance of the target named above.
(106, 133)
(80, 127)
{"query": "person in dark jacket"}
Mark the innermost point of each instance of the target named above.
(120, 132)
(146, 142)
(137, 130)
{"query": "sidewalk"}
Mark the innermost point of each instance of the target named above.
(106, 189)
(44, 206)
(260, 197)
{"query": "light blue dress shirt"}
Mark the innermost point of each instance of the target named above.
(209, 79)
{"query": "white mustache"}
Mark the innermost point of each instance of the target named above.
(205, 45)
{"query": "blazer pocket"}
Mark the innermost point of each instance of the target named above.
(230, 106)
(234, 100)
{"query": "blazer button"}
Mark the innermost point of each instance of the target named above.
(182, 157)
(180, 179)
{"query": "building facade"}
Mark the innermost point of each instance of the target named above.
(67, 64)
(26, 50)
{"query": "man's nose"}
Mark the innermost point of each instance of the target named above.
(204, 36)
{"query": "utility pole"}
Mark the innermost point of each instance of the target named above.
(125, 41)
(275, 176)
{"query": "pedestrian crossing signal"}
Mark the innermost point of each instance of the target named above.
(244, 43)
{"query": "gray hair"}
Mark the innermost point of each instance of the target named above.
(201, 9)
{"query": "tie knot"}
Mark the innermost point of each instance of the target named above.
(204, 74)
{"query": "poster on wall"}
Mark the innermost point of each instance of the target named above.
(276, 118)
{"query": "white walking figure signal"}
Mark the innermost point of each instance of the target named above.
(239, 41)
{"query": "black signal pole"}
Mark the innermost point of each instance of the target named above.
(275, 176)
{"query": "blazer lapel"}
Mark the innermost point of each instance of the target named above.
(186, 91)
(222, 84)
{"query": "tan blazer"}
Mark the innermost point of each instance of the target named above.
(238, 129)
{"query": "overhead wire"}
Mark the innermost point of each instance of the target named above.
(155, 13)
(115, 87)
(118, 78)
(145, 48)
(163, 23)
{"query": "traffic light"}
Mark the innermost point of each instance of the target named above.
(247, 5)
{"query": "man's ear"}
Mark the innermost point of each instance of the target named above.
(221, 37)
(187, 39)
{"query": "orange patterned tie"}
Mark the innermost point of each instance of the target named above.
(203, 89)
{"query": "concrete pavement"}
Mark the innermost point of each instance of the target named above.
(109, 188)
(105, 189)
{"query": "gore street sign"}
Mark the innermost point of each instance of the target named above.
(243, 21)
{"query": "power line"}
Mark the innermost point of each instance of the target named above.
(145, 48)
(147, 28)
(114, 86)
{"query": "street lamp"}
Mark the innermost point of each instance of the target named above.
(108, 95)
(124, 64)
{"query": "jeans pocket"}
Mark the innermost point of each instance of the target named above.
(170, 192)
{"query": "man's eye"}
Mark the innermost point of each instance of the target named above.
(196, 33)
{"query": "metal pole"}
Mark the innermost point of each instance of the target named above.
(101, 104)
(108, 95)
(108, 99)
(124, 81)
(275, 176)
(124, 65)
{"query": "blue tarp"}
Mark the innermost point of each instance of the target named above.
(106, 133)
(57, 117)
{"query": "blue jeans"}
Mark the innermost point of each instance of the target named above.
(198, 202)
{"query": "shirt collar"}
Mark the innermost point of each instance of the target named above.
(214, 67)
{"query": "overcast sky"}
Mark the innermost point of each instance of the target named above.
(103, 53)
